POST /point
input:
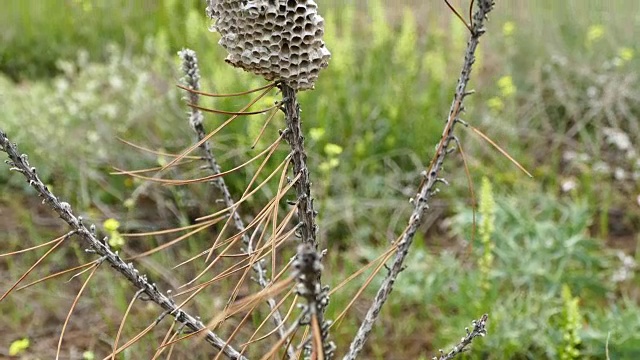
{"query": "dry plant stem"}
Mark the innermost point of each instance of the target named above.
(427, 187)
(192, 79)
(20, 164)
(309, 278)
(306, 213)
(479, 329)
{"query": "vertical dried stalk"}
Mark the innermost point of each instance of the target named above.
(428, 184)
(306, 212)
(310, 272)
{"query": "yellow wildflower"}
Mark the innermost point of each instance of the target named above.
(625, 53)
(332, 149)
(508, 28)
(496, 104)
(507, 88)
(111, 225)
(594, 33)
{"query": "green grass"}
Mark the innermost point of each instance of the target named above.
(89, 71)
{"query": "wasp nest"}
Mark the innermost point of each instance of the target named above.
(278, 39)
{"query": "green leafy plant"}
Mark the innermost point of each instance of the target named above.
(570, 326)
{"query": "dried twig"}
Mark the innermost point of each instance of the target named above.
(310, 285)
(20, 164)
(427, 187)
(479, 329)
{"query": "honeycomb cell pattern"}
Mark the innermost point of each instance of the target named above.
(278, 39)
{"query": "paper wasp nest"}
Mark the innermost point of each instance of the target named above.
(278, 39)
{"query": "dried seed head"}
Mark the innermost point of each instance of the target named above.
(278, 39)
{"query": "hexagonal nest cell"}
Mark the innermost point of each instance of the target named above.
(278, 39)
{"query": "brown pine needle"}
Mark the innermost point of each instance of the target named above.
(237, 113)
(155, 152)
(258, 255)
(317, 339)
(258, 220)
(218, 129)
(172, 242)
(223, 173)
(56, 274)
(266, 294)
(170, 335)
(97, 261)
(236, 330)
(203, 253)
(237, 267)
(362, 270)
(214, 261)
(366, 284)
(266, 319)
(264, 127)
(73, 306)
(131, 173)
(246, 195)
(33, 247)
(292, 336)
(453, 9)
(269, 246)
(269, 86)
(487, 139)
(221, 244)
(60, 241)
(191, 334)
(124, 318)
(284, 270)
(255, 257)
(274, 349)
(169, 231)
(278, 345)
(383, 258)
(225, 274)
(240, 282)
(133, 340)
(279, 238)
(301, 346)
(275, 233)
(229, 240)
(269, 291)
(471, 13)
(232, 269)
(170, 352)
(281, 192)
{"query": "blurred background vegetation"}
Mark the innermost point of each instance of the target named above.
(554, 260)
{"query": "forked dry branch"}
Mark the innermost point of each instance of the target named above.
(431, 179)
